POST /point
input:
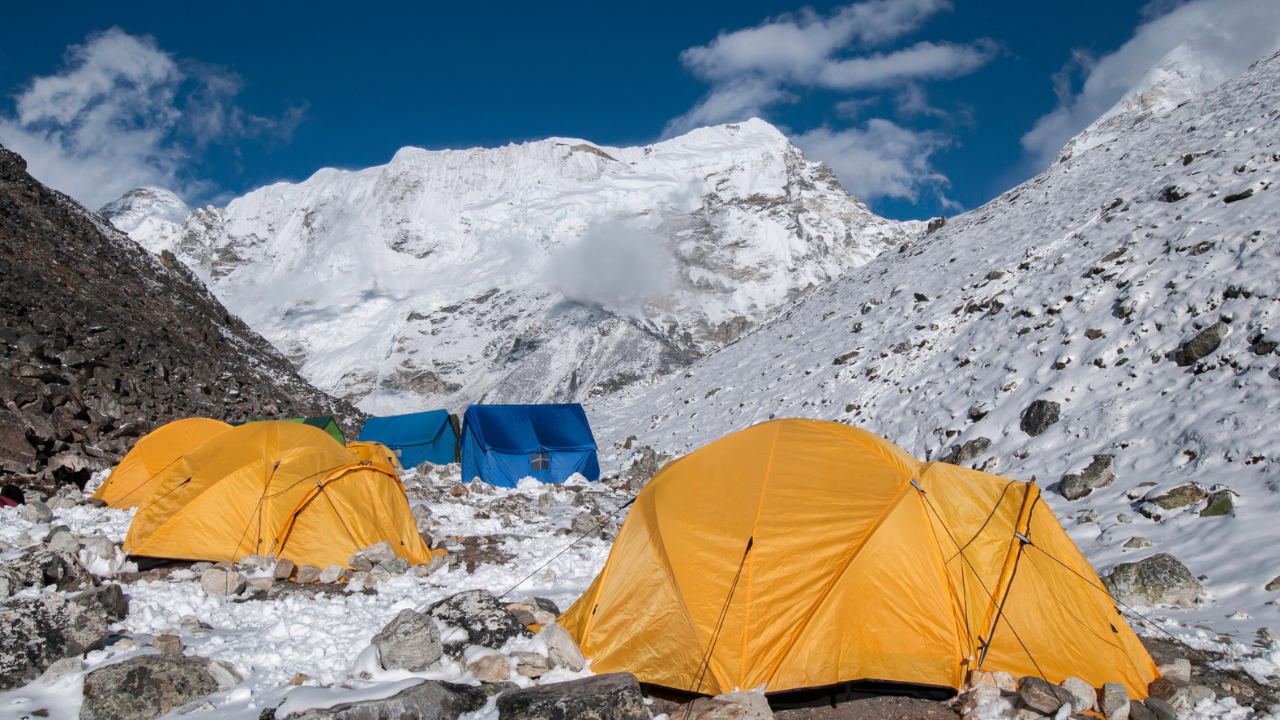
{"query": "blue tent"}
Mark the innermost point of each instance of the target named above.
(502, 444)
(416, 437)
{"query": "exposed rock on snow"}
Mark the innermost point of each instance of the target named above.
(36, 632)
(217, 581)
(108, 598)
(490, 669)
(145, 687)
(1039, 416)
(614, 696)
(1200, 346)
(411, 641)
(428, 699)
(486, 622)
(561, 649)
(1097, 474)
(1042, 695)
(1159, 579)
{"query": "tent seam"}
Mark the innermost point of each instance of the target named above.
(751, 562)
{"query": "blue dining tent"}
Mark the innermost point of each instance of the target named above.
(416, 437)
(502, 444)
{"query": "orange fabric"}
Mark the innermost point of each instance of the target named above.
(130, 483)
(853, 573)
(278, 488)
(370, 451)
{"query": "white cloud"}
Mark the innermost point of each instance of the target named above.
(1198, 45)
(879, 159)
(616, 264)
(122, 113)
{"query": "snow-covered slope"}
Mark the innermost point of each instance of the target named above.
(1077, 287)
(441, 278)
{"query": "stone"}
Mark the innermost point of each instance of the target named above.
(1274, 585)
(1038, 416)
(36, 512)
(583, 524)
(360, 563)
(547, 500)
(262, 583)
(256, 562)
(224, 674)
(645, 463)
(1113, 701)
(741, 705)
(428, 700)
(436, 563)
(394, 567)
(36, 632)
(284, 569)
(613, 696)
(60, 668)
(997, 679)
(1138, 542)
(307, 574)
(411, 641)
(1197, 693)
(108, 598)
(1083, 697)
(1176, 669)
(523, 613)
(1180, 496)
(1088, 516)
(561, 648)
(1139, 711)
(486, 622)
(1220, 503)
(1200, 346)
(1159, 579)
(490, 669)
(333, 574)
(379, 552)
(422, 518)
(146, 686)
(1124, 518)
(1159, 709)
(168, 644)
(1097, 475)
(963, 453)
(1042, 695)
(543, 604)
(216, 581)
(718, 709)
(64, 542)
(531, 664)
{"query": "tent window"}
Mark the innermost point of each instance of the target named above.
(540, 461)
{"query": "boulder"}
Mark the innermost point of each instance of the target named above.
(1139, 711)
(168, 644)
(530, 664)
(109, 599)
(284, 569)
(1042, 695)
(1159, 579)
(146, 686)
(379, 552)
(224, 674)
(490, 669)
(1098, 474)
(36, 512)
(422, 518)
(964, 453)
(543, 604)
(1175, 669)
(1113, 701)
(1157, 709)
(36, 632)
(307, 574)
(333, 574)
(1083, 697)
(1200, 346)
(411, 641)
(217, 581)
(614, 696)
(428, 700)
(479, 613)
(645, 463)
(561, 648)
(64, 541)
(1180, 496)
(393, 567)
(547, 500)
(1220, 503)
(735, 705)
(1038, 416)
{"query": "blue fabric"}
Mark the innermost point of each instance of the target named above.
(499, 441)
(417, 437)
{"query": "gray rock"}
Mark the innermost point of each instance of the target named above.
(1098, 474)
(1088, 516)
(615, 696)
(36, 632)
(1138, 542)
(1139, 711)
(146, 686)
(963, 453)
(1220, 503)
(224, 674)
(729, 706)
(1175, 669)
(65, 542)
(1042, 695)
(1158, 709)
(1181, 496)
(47, 567)
(60, 668)
(422, 518)
(645, 463)
(1124, 518)
(530, 664)
(547, 500)
(397, 566)
(490, 669)
(1038, 416)
(1200, 346)
(561, 648)
(478, 612)
(1114, 701)
(168, 644)
(284, 569)
(379, 552)
(109, 599)
(216, 581)
(34, 511)
(333, 574)
(583, 524)
(307, 574)
(411, 641)
(1083, 697)
(542, 604)
(360, 563)
(428, 700)
(1159, 579)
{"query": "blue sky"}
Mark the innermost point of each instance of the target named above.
(923, 107)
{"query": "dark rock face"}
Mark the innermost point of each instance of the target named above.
(428, 700)
(1098, 474)
(615, 696)
(109, 599)
(100, 342)
(1039, 415)
(37, 632)
(145, 687)
(1200, 346)
(487, 621)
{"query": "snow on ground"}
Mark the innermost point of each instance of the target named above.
(1075, 287)
(325, 637)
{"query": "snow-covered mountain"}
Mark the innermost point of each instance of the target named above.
(551, 270)
(1083, 288)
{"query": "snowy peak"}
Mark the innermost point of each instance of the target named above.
(153, 213)
(610, 265)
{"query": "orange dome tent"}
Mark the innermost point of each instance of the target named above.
(278, 488)
(130, 482)
(804, 555)
(376, 452)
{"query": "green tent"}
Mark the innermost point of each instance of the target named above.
(324, 422)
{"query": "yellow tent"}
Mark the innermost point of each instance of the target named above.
(278, 488)
(130, 482)
(804, 554)
(376, 452)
